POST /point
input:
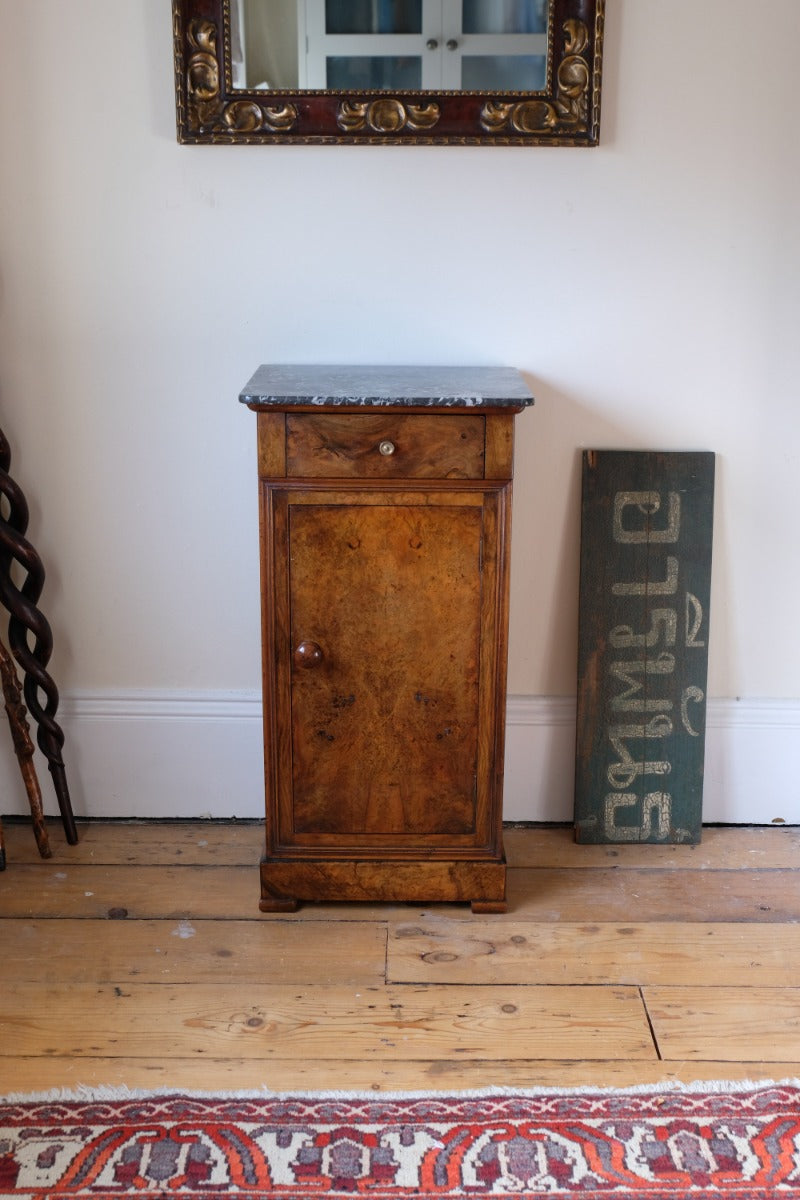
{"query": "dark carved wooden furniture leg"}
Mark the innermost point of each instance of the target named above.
(23, 747)
(26, 621)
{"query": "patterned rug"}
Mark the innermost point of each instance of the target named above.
(732, 1140)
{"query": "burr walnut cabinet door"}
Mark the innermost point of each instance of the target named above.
(386, 630)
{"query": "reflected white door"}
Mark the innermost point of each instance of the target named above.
(406, 45)
(494, 45)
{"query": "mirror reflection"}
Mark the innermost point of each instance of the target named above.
(397, 45)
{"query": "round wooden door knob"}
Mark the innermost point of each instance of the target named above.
(307, 654)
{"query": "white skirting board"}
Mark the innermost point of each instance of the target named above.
(198, 754)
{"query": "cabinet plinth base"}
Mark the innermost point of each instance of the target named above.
(285, 884)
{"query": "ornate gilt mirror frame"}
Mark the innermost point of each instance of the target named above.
(211, 110)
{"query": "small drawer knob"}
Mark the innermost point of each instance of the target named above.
(307, 654)
(432, 44)
(387, 448)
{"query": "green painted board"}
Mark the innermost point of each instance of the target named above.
(646, 531)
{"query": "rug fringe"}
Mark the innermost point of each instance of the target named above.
(87, 1093)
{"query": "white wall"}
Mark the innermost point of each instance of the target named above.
(648, 290)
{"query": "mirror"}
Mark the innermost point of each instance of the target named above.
(521, 72)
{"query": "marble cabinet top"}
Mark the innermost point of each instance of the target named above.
(373, 386)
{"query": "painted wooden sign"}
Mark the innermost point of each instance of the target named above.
(646, 531)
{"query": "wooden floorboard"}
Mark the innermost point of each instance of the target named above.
(238, 953)
(297, 1021)
(142, 843)
(660, 894)
(240, 843)
(140, 957)
(36, 1074)
(726, 1023)
(543, 895)
(482, 952)
(722, 848)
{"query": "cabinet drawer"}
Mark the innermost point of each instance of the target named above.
(385, 446)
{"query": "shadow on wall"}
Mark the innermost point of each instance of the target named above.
(546, 555)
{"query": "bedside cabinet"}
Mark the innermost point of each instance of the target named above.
(385, 505)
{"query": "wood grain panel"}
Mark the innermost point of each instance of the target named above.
(345, 445)
(384, 729)
(499, 445)
(483, 884)
(87, 1020)
(271, 445)
(483, 951)
(726, 1023)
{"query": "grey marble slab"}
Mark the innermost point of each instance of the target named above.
(373, 386)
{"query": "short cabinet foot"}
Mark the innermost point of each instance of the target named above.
(489, 906)
(282, 904)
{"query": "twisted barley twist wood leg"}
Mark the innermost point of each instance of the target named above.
(27, 622)
(23, 748)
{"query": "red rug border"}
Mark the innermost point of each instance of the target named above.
(706, 1102)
